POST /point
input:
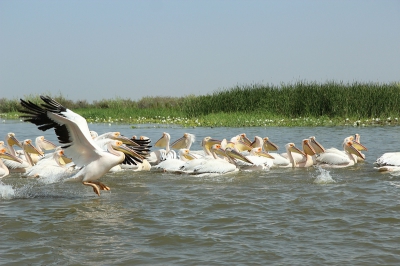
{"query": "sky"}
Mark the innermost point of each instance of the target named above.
(95, 49)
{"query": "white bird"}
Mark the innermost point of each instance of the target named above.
(388, 162)
(73, 133)
(174, 165)
(54, 167)
(5, 155)
(338, 160)
(41, 145)
(300, 158)
(25, 158)
(215, 165)
(157, 156)
(260, 159)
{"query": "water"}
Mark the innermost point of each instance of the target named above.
(281, 217)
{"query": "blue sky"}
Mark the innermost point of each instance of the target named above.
(96, 50)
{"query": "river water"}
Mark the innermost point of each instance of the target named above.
(278, 217)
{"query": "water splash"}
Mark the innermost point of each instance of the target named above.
(6, 191)
(324, 176)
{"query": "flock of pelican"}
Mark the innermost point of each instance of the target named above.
(85, 156)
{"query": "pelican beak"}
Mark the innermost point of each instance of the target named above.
(162, 142)
(189, 156)
(5, 155)
(269, 146)
(308, 149)
(243, 146)
(316, 145)
(245, 139)
(265, 154)
(208, 142)
(28, 147)
(293, 148)
(123, 148)
(180, 143)
(234, 154)
(12, 140)
(359, 146)
(220, 152)
(127, 141)
(353, 150)
(47, 145)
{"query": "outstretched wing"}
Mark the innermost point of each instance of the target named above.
(71, 129)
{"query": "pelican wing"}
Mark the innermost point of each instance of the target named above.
(390, 158)
(333, 158)
(71, 129)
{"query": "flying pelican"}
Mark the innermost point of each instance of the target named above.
(73, 133)
(5, 155)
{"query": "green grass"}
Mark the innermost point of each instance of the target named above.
(298, 104)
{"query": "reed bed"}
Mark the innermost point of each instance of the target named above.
(298, 104)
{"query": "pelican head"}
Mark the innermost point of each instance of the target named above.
(290, 147)
(316, 145)
(117, 136)
(28, 147)
(163, 141)
(12, 140)
(268, 145)
(5, 155)
(245, 139)
(307, 148)
(259, 152)
(350, 148)
(44, 144)
(184, 142)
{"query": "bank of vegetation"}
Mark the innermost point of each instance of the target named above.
(297, 104)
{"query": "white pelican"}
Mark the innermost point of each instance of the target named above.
(318, 148)
(26, 159)
(55, 167)
(157, 156)
(260, 159)
(185, 142)
(41, 145)
(5, 155)
(215, 165)
(73, 133)
(388, 162)
(338, 160)
(174, 165)
(300, 158)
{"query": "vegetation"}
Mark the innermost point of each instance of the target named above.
(299, 104)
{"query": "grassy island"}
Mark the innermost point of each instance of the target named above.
(298, 104)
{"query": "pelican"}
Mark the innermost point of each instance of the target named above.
(73, 133)
(318, 148)
(300, 158)
(260, 159)
(41, 145)
(157, 156)
(26, 159)
(173, 165)
(5, 155)
(215, 165)
(388, 162)
(338, 160)
(56, 166)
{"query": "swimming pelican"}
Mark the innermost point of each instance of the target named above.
(215, 165)
(57, 166)
(260, 159)
(5, 155)
(41, 145)
(388, 162)
(26, 159)
(338, 160)
(73, 133)
(300, 158)
(174, 165)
